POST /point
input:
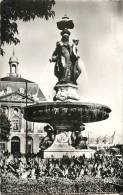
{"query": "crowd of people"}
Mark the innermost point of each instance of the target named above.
(99, 166)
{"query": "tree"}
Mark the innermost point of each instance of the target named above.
(5, 127)
(25, 10)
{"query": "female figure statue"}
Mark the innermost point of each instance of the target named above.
(66, 58)
(75, 61)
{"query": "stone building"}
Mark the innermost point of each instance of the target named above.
(15, 93)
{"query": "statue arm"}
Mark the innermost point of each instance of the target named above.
(75, 51)
(54, 56)
(55, 53)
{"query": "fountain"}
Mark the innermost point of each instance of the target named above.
(66, 115)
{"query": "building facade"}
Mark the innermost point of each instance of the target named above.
(16, 93)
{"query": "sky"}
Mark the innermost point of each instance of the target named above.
(99, 28)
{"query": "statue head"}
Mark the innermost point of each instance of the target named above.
(75, 41)
(65, 35)
(48, 128)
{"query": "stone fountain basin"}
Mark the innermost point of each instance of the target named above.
(66, 113)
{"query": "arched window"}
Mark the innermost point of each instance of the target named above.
(16, 119)
(13, 68)
(15, 111)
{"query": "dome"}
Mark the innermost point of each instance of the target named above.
(13, 59)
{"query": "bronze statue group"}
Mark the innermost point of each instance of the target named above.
(66, 59)
(77, 140)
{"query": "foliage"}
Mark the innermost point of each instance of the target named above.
(55, 186)
(4, 127)
(25, 10)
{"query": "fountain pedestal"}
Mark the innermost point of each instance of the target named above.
(62, 146)
(66, 92)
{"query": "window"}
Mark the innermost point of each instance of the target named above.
(16, 119)
(3, 146)
(5, 110)
(15, 112)
(16, 124)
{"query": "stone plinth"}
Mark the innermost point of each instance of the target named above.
(61, 147)
(66, 92)
(59, 154)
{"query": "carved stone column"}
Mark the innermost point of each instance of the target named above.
(66, 92)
